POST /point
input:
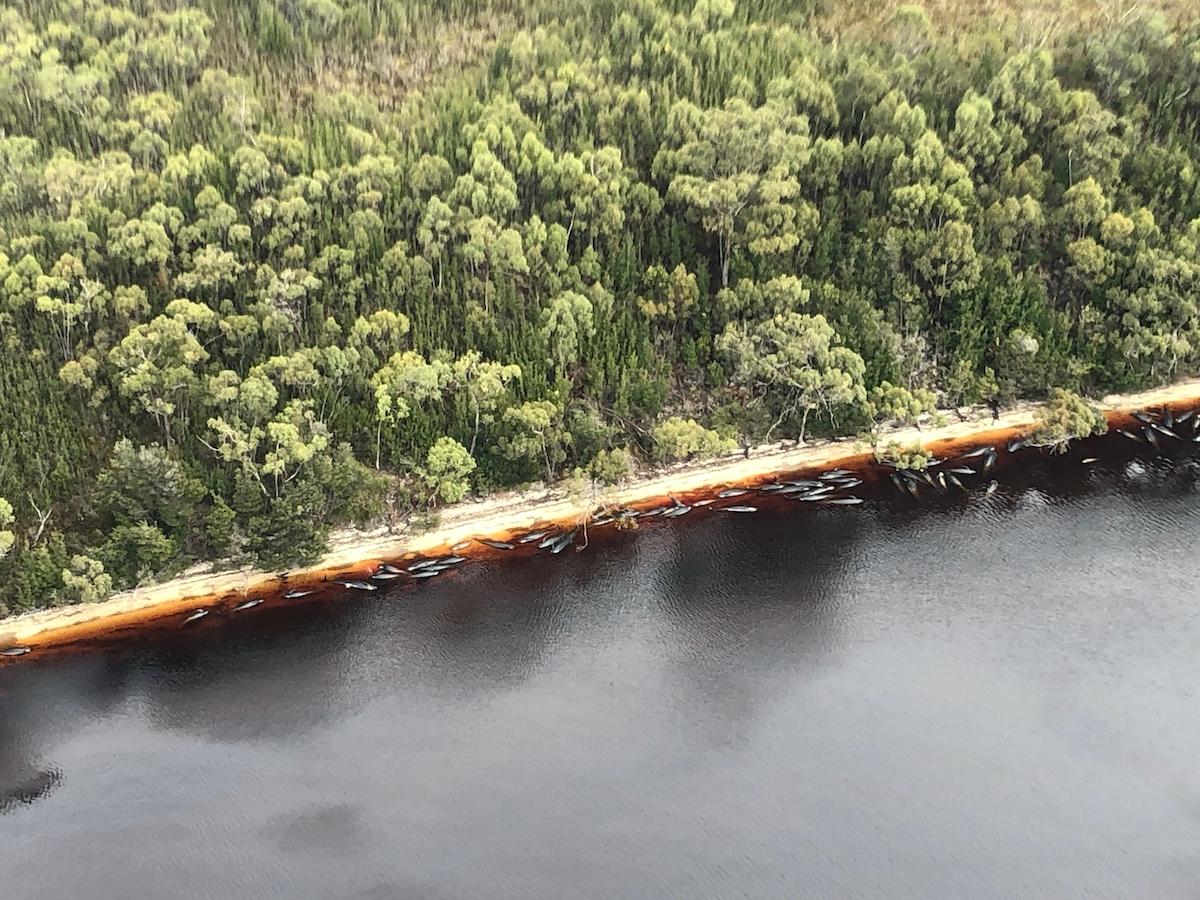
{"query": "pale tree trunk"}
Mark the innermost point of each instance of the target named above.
(475, 433)
(723, 250)
(787, 411)
(546, 457)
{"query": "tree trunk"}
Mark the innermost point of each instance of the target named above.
(549, 471)
(774, 425)
(787, 411)
(804, 422)
(723, 251)
(475, 433)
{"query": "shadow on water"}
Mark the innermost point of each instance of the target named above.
(27, 792)
(24, 778)
(733, 632)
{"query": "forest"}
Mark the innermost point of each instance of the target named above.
(269, 267)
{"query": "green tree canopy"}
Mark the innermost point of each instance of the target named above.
(794, 360)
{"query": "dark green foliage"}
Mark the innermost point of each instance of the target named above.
(134, 553)
(292, 531)
(352, 492)
(220, 528)
(145, 484)
(34, 578)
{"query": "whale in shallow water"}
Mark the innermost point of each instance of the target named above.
(1151, 437)
(293, 595)
(532, 536)
(248, 604)
(739, 509)
(732, 492)
(14, 651)
(385, 576)
(563, 542)
(816, 495)
(359, 585)
(195, 616)
(425, 573)
(991, 488)
(842, 501)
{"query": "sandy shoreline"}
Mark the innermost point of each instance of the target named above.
(504, 514)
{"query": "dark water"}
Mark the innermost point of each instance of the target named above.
(994, 697)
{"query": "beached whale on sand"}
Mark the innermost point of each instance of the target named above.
(495, 545)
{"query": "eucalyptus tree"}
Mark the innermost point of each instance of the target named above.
(793, 361)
